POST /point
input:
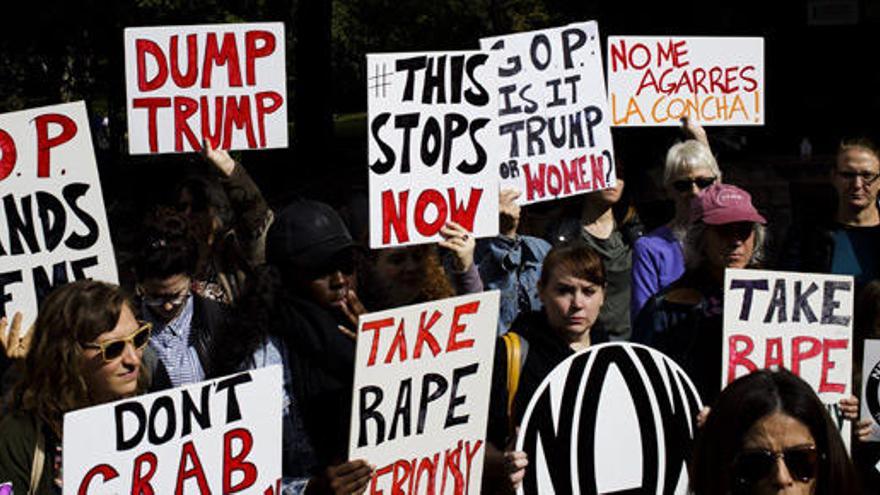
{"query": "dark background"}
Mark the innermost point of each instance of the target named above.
(822, 72)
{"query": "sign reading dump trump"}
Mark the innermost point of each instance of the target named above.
(657, 80)
(798, 321)
(551, 113)
(222, 82)
(430, 144)
(53, 226)
(421, 394)
(614, 418)
(218, 436)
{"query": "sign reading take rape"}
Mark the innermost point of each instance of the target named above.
(218, 436)
(53, 226)
(421, 394)
(430, 143)
(799, 321)
(657, 80)
(551, 113)
(223, 82)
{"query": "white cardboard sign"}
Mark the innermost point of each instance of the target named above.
(551, 113)
(431, 145)
(657, 80)
(53, 226)
(421, 394)
(223, 82)
(798, 321)
(217, 436)
(871, 387)
(614, 418)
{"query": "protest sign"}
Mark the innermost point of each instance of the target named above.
(551, 113)
(421, 394)
(222, 82)
(657, 80)
(53, 226)
(218, 436)
(614, 418)
(871, 387)
(798, 321)
(430, 144)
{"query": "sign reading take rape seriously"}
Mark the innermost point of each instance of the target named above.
(657, 80)
(222, 82)
(430, 143)
(551, 114)
(53, 226)
(218, 436)
(799, 321)
(421, 394)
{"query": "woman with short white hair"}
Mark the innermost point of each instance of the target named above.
(658, 257)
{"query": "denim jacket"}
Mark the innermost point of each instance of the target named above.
(513, 266)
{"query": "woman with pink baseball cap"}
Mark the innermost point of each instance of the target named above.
(684, 320)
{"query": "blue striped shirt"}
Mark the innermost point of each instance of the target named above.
(171, 341)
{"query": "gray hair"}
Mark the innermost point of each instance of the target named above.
(687, 156)
(695, 243)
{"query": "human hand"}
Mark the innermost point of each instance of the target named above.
(220, 159)
(864, 429)
(13, 344)
(515, 463)
(849, 406)
(694, 130)
(352, 308)
(702, 416)
(508, 211)
(349, 477)
(458, 240)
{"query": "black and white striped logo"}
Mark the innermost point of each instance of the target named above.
(614, 419)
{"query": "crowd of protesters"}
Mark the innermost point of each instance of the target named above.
(222, 283)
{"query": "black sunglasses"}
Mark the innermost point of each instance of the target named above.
(752, 466)
(112, 349)
(685, 185)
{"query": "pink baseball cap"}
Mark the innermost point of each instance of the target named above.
(721, 204)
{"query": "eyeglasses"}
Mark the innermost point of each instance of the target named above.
(174, 300)
(752, 466)
(685, 185)
(113, 349)
(867, 177)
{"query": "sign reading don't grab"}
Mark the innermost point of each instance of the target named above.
(615, 418)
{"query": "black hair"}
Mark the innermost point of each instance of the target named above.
(742, 404)
(167, 246)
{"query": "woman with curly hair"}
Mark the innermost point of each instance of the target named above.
(86, 350)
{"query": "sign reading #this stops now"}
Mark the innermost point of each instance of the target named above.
(421, 394)
(218, 436)
(430, 144)
(657, 80)
(223, 82)
(53, 226)
(798, 321)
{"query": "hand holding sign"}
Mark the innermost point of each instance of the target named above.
(14, 344)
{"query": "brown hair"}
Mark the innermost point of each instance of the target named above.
(576, 259)
(859, 143)
(53, 381)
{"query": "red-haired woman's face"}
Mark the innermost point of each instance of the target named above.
(117, 378)
(572, 304)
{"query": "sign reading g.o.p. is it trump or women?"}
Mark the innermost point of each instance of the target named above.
(218, 436)
(225, 83)
(421, 394)
(615, 418)
(657, 80)
(430, 145)
(53, 226)
(798, 321)
(551, 113)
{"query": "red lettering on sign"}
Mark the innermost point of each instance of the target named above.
(105, 471)
(739, 357)
(464, 309)
(45, 143)
(142, 48)
(829, 345)
(152, 105)
(376, 326)
(253, 52)
(238, 462)
(140, 483)
(183, 473)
